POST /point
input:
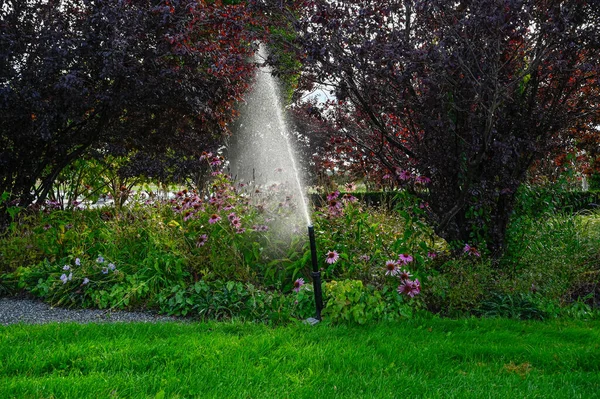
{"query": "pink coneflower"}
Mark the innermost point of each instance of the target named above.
(403, 259)
(404, 175)
(471, 250)
(333, 195)
(297, 284)
(365, 258)
(391, 268)
(349, 198)
(404, 275)
(423, 180)
(240, 230)
(431, 255)
(332, 257)
(201, 240)
(410, 288)
(231, 216)
(387, 176)
(216, 161)
(214, 218)
(236, 222)
(335, 207)
(350, 187)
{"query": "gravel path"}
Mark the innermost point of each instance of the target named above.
(28, 311)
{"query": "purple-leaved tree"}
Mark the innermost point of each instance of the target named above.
(468, 94)
(147, 77)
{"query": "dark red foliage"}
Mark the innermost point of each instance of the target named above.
(468, 94)
(142, 76)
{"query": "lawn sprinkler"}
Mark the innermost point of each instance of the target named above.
(316, 277)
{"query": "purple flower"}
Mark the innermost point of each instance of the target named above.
(66, 267)
(391, 268)
(297, 284)
(349, 198)
(423, 180)
(105, 270)
(201, 240)
(471, 250)
(111, 267)
(333, 195)
(70, 276)
(403, 174)
(214, 218)
(404, 275)
(85, 281)
(77, 262)
(403, 259)
(431, 255)
(100, 259)
(332, 257)
(410, 288)
(64, 278)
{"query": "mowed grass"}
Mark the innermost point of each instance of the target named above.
(437, 358)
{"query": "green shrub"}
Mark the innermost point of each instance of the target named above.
(225, 300)
(350, 301)
(458, 286)
(514, 306)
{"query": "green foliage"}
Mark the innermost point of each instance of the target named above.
(350, 301)
(163, 261)
(458, 286)
(535, 201)
(367, 237)
(226, 300)
(513, 306)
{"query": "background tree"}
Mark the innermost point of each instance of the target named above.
(468, 95)
(142, 78)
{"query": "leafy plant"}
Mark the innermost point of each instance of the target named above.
(513, 306)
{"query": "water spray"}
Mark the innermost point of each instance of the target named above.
(316, 276)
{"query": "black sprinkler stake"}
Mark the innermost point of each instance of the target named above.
(315, 274)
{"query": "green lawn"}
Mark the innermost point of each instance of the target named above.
(416, 358)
